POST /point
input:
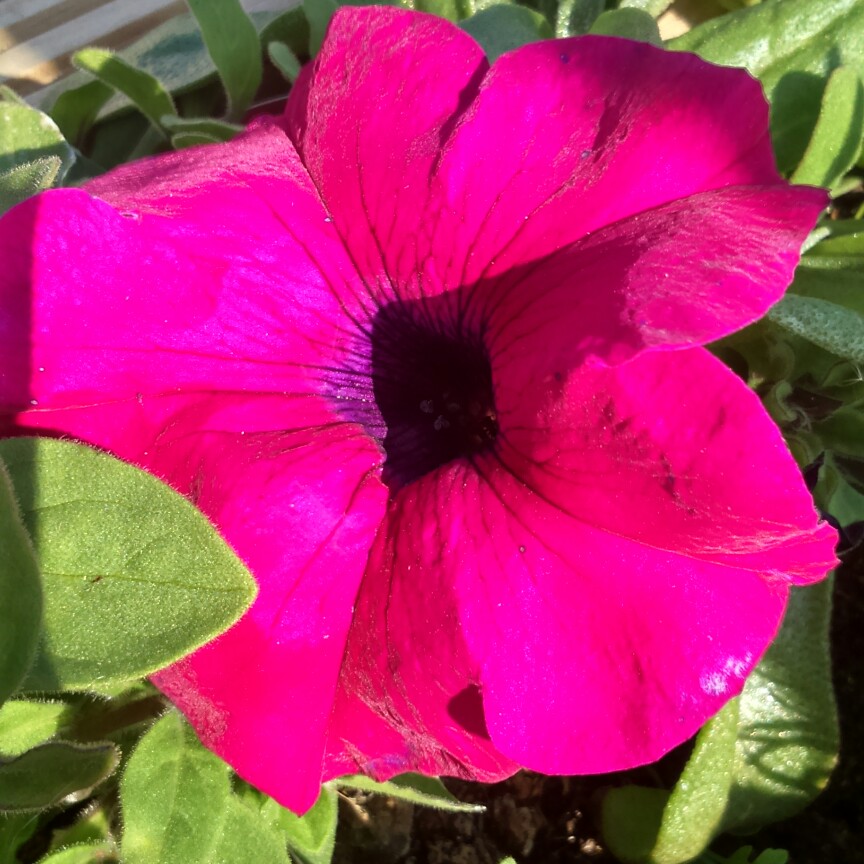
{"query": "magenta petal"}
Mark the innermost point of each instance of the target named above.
(613, 651)
(267, 686)
(463, 281)
(494, 623)
(671, 450)
(224, 293)
(598, 129)
(615, 570)
(409, 697)
(681, 274)
(369, 121)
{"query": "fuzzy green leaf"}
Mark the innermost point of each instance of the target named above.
(628, 24)
(75, 110)
(28, 135)
(787, 728)
(694, 812)
(246, 837)
(792, 46)
(45, 775)
(15, 830)
(83, 853)
(191, 139)
(830, 326)
(318, 13)
(133, 575)
(836, 141)
(575, 17)
(232, 41)
(414, 788)
(452, 10)
(652, 7)
(174, 795)
(20, 594)
(213, 130)
(21, 182)
(25, 724)
(285, 60)
(144, 90)
(310, 837)
(499, 29)
(179, 808)
(838, 494)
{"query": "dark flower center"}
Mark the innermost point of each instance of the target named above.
(432, 392)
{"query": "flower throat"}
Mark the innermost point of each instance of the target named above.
(433, 390)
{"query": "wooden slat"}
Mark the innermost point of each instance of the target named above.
(16, 10)
(38, 37)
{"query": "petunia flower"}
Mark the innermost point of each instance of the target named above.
(430, 360)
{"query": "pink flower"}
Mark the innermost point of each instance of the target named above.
(433, 370)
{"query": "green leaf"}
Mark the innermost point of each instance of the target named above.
(787, 729)
(15, 830)
(144, 90)
(25, 724)
(285, 60)
(836, 143)
(628, 24)
(828, 325)
(213, 130)
(499, 29)
(825, 303)
(84, 853)
(630, 820)
(133, 575)
(310, 837)
(652, 7)
(452, 10)
(175, 54)
(174, 795)
(291, 28)
(21, 182)
(75, 110)
(232, 41)
(178, 807)
(27, 135)
(45, 775)
(836, 279)
(575, 17)
(90, 827)
(191, 139)
(20, 594)
(792, 46)
(837, 495)
(694, 812)
(318, 13)
(414, 788)
(246, 837)
(843, 431)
